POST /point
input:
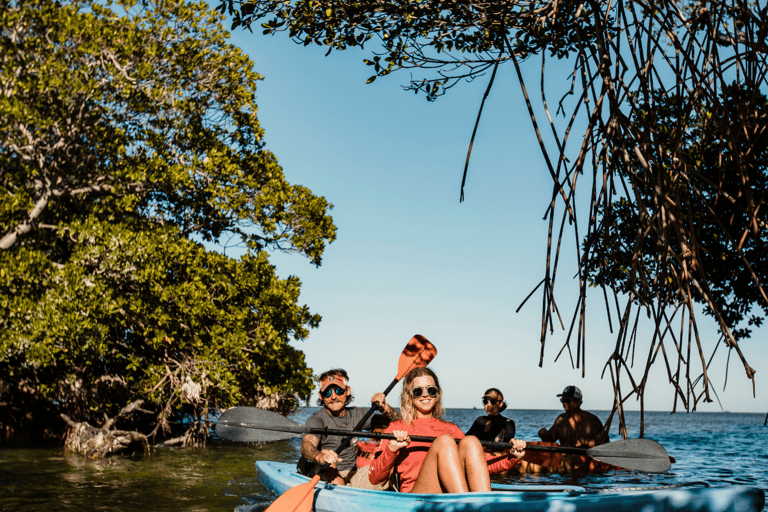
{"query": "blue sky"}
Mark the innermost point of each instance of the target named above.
(410, 259)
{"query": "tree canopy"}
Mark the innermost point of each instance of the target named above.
(131, 156)
(659, 122)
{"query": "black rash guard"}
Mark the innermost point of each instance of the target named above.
(501, 428)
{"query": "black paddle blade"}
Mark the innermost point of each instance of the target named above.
(253, 425)
(636, 454)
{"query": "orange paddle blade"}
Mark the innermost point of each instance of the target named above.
(297, 499)
(416, 354)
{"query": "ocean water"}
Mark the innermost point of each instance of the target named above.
(718, 448)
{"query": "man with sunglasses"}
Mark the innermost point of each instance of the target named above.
(319, 452)
(575, 428)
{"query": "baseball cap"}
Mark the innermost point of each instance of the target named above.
(571, 392)
(333, 379)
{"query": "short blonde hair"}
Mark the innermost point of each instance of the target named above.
(407, 411)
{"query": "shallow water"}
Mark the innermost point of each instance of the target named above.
(719, 448)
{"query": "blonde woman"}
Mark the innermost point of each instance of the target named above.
(439, 467)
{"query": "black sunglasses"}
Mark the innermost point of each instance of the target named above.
(431, 391)
(333, 389)
(492, 401)
(567, 400)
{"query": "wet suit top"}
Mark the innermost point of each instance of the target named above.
(500, 428)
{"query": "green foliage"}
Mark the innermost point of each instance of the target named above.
(461, 39)
(129, 139)
(715, 180)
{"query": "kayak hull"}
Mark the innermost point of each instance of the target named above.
(279, 477)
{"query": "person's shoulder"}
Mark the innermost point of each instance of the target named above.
(316, 419)
(318, 412)
(593, 417)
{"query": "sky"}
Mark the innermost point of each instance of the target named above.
(411, 259)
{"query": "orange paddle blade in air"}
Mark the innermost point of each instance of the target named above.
(297, 499)
(416, 354)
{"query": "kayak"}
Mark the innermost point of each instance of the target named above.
(279, 477)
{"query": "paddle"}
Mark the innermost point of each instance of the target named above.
(248, 424)
(417, 353)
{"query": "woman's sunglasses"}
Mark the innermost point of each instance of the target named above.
(333, 389)
(431, 391)
(492, 401)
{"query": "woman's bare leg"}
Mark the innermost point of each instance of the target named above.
(443, 469)
(475, 466)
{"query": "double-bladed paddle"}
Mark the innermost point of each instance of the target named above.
(417, 353)
(248, 424)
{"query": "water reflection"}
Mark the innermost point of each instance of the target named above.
(219, 477)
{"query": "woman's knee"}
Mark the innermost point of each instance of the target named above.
(444, 441)
(470, 444)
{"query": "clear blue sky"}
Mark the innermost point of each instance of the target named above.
(410, 259)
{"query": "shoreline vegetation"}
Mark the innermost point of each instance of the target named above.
(134, 166)
(140, 208)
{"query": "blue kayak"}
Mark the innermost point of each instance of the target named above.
(279, 477)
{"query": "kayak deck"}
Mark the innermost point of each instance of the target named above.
(279, 477)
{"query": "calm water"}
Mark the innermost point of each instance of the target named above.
(720, 448)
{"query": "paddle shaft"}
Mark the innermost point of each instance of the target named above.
(349, 434)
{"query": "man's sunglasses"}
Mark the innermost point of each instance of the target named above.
(567, 400)
(492, 401)
(333, 389)
(431, 391)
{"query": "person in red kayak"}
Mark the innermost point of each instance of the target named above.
(443, 465)
(575, 427)
(317, 451)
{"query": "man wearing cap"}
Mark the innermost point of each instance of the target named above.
(319, 451)
(575, 428)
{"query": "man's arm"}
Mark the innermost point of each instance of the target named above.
(552, 434)
(388, 410)
(602, 433)
(310, 451)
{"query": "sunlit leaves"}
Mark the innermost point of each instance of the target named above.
(130, 137)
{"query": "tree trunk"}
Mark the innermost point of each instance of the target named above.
(98, 443)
